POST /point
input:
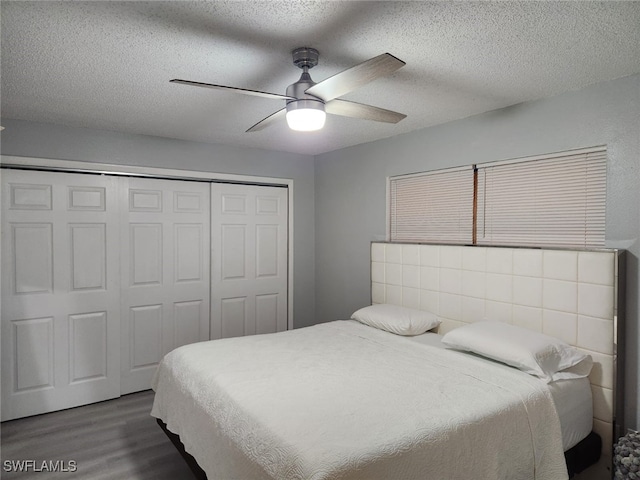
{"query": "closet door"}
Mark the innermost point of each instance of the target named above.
(249, 235)
(60, 291)
(165, 273)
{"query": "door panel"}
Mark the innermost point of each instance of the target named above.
(267, 251)
(33, 366)
(145, 244)
(88, 346)
(188, 240)
(88, 256)
(145, 336)
(233, 315)
(233, 251)
(165, 266)
(60, 291)
(32, 245)
(188, 320)
(249, 260)
(266, 313)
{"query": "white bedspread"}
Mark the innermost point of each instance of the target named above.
(345, 401)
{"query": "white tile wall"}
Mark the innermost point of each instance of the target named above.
(393, 253)
(411, 297)
(450, 256)
(473, 309)
(377, 293)
(430, 278)
(527, 317)
(596, 267)
(499, 287)
(451, 280)
(527, 291)
(602, 371)
(411, 254)
(560, 265)
(474, 284)
(500, 260)
(377, 272)
(474, 258)
(559, 295)
(393, 294)
(566, 294)
(377, 252)
(393, 274)
(602, 403)
(500, 311)
(451, 306)
(430, 301)
(411, 276)
(595, 300)
(562, 325)
(527, 262)
(595, 334)
(430, 255)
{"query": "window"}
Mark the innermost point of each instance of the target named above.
(552, 200)
(432, 207)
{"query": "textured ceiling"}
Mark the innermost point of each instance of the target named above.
(107, 65)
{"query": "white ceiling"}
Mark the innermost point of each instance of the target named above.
(107, 65)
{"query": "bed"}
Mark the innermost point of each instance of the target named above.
(349, 400)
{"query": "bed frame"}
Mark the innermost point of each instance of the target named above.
(198, 473)
(574, 295)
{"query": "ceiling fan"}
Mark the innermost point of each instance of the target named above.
(307, 101)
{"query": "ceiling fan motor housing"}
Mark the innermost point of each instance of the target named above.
(305, 57)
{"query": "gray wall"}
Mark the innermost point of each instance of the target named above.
(42, 140)
(350, 187)
(349, 203)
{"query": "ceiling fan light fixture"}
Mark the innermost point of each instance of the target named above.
(306, 99)
(305, 115)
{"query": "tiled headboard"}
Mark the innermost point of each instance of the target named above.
(571, 295)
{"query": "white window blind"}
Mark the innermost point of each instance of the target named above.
(432, 207)
(550, 201)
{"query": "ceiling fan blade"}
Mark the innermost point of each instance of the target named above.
(270, 120)
(245, 91)
(359, 110)
(354, 77)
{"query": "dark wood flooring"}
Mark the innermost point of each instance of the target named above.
(116, 439)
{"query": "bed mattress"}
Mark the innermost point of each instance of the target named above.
(572, 398)
(345, 401)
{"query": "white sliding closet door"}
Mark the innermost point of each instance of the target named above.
(249, 259)
(104, 275)
(60, 291)
(165, 273)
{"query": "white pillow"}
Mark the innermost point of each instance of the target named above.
(396, 319)
(535, 353)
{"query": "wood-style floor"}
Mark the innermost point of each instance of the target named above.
(116, 439)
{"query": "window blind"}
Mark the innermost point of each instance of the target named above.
(551, 201)
(432, 207)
